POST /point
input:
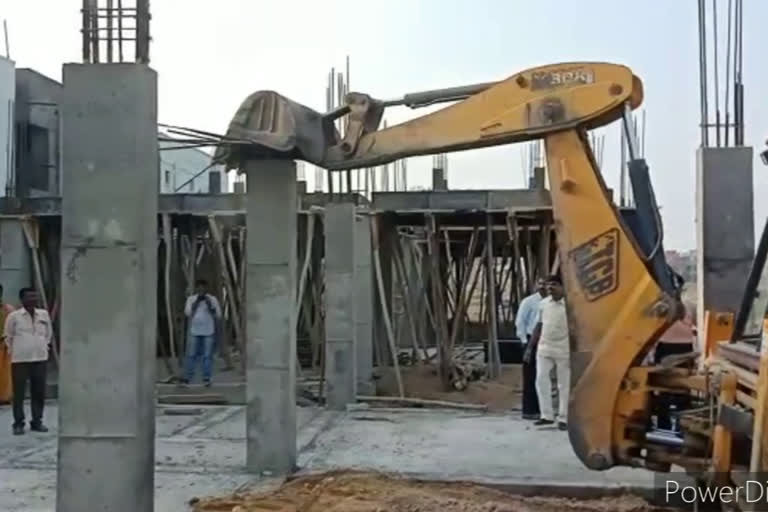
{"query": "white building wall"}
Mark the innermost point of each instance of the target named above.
(7, 119)
(179, 166)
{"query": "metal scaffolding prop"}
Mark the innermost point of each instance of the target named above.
(111, 28)
(448, 285)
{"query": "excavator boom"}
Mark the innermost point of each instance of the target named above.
(619, 297)
(523, 107)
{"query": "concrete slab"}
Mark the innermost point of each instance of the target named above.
(204, 454)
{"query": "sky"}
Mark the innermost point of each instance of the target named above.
(210, 55)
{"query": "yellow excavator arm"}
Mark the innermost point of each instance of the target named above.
(619, 298)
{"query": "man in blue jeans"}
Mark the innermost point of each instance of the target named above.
(202, 311)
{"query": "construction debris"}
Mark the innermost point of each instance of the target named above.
(420, 402)
(372, 492)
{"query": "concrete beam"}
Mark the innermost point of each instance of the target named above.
(340, 305)
(109, 287)
(234, 204)
(364, 306)
(271, 309)
(724, 228)
(450, 200)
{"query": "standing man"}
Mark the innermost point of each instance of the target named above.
(28, 334)
(202, 311)
(525, 322)
(551, 342)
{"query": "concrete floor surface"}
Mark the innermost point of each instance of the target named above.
(204, 454)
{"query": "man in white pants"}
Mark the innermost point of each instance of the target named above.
(551, 344)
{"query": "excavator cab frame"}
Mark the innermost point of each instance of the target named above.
(620, 293)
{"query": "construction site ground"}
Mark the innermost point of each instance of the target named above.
(421, 381)
(202, 453)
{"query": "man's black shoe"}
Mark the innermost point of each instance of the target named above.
(562, 425)
(542, 421)
(530, 416)
(18, 431)
(38, 428)
(207, 383)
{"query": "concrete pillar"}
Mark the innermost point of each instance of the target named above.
(109, 286)
(271, 307)
(538, 180)
(439, 181)
(15, 260)
(214, 182)
(340, 305)
(364, 289)
(724, 228)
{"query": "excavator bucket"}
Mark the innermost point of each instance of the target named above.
(270, 126)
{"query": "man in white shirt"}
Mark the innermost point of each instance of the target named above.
(525, 322)
(202, 311)
(552, 345)
(28, 333)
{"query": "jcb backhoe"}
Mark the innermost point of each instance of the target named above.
(620, 292)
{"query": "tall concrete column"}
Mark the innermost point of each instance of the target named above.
(109, 287)
(271, 307)
(364, 286)
(725, 232)
(340, 328)
(15, 260)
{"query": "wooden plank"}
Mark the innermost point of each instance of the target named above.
(438, 305)
(218, 242)
(166, 220)
(494, 366)
(423, 402)
(196, 399)
(408, 307)
(384, 306)
(745, 399)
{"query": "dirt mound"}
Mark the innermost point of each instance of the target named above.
(422, 381)
(371, 492)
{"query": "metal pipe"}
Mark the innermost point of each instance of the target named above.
(110, 20)
(741, 62)
(728, 74)
(120, 29)
(717, 72)
(426, 98)
(94, 30)
(86, 30)
(142, 32)
(623, 171)
(703, 74)
(629, 130)
(665, 437)
(7, 45)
